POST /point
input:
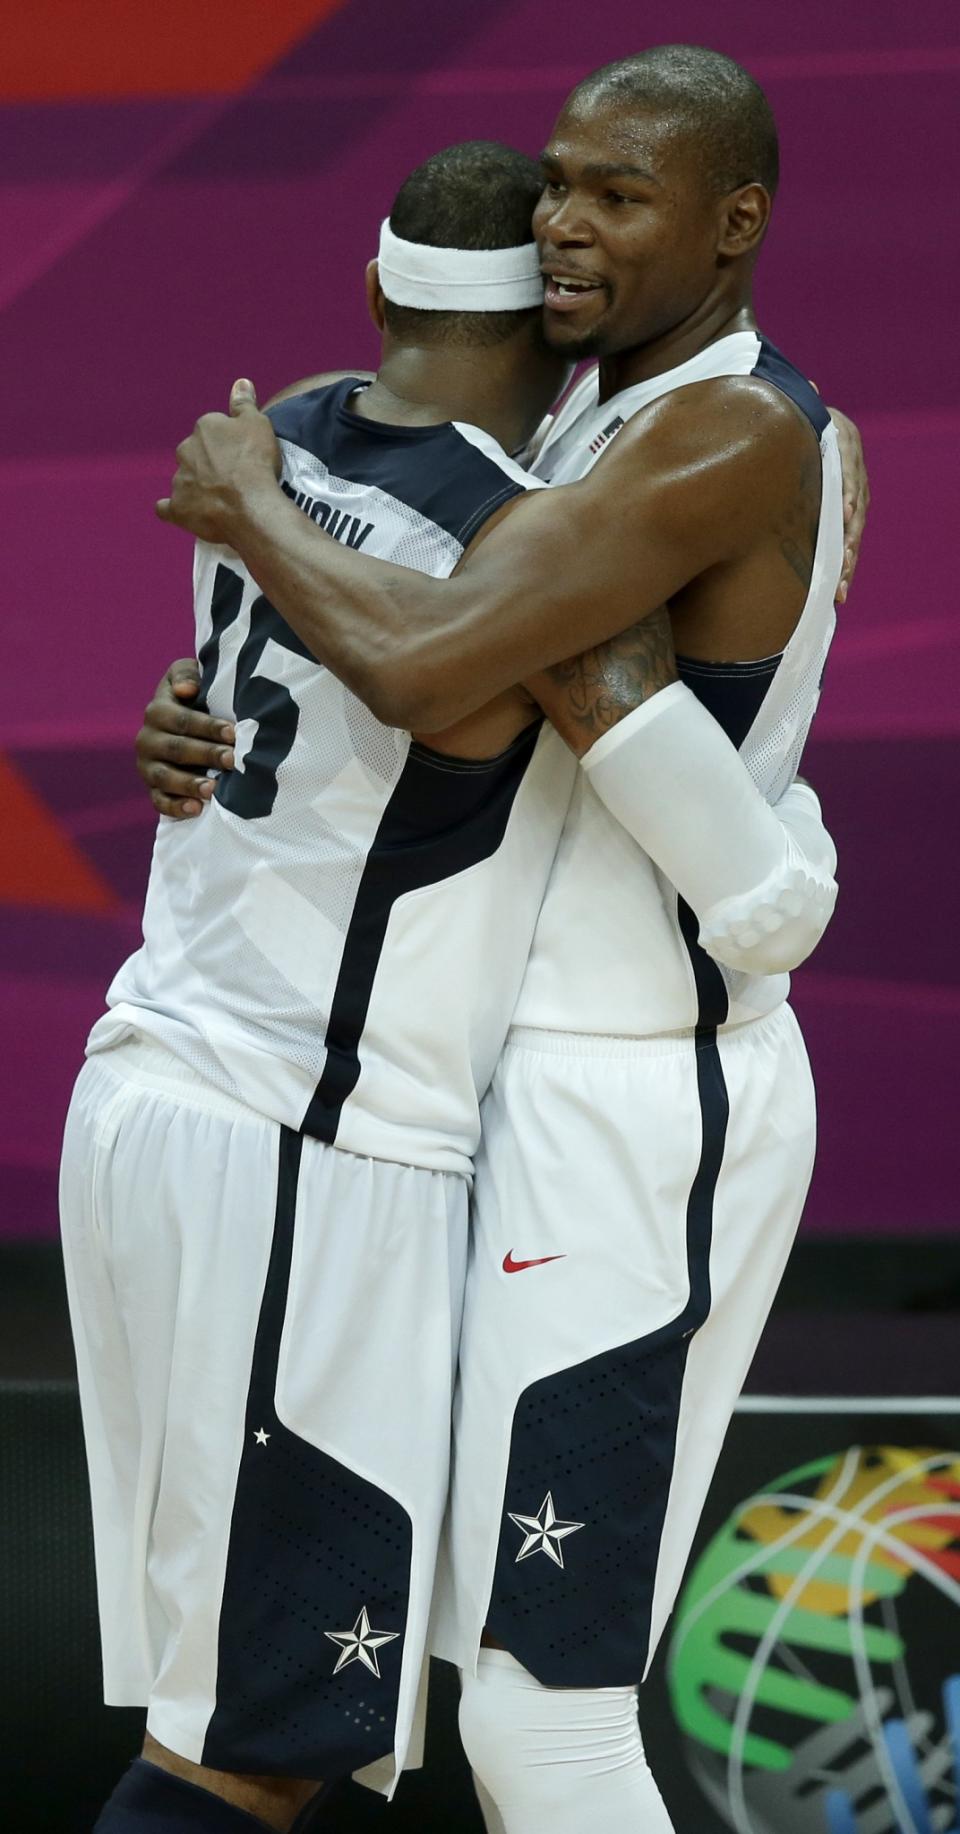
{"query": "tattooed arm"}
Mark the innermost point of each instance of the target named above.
(587, 695)
(683, 507)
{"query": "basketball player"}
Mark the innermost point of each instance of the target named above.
(266, 1161)
(648, 1138)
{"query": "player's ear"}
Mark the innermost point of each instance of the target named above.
(375, 299)
(744, 215)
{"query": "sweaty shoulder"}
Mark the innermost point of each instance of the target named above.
(717, 410)
(741, 423)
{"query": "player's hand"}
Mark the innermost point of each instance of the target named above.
(176, 741)
(856, 497)
(226, 458)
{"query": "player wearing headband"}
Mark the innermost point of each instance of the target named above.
(649, 1135)
(269, 1152)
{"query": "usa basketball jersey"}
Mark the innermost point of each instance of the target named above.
(340, 940)
(644, 972)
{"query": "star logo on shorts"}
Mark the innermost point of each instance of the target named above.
(361, 1644)
(544, 1532)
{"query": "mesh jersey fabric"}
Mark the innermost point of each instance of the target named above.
(339, 941)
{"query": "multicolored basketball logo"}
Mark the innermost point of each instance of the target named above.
(815, 1664)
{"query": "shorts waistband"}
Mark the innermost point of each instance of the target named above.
(610, 1044)
(143, 1060)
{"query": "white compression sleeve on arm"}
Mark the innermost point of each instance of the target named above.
(759, 878)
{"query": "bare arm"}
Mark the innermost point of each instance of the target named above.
(689, 485)
(587, 695)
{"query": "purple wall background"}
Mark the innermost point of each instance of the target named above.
(156, 248)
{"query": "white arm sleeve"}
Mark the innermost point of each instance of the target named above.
(759, 878)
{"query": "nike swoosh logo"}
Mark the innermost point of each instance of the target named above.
(510, 1266)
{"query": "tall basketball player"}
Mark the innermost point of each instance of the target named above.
(649, 1134)
(266, 1162)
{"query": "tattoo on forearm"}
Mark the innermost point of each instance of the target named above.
(604, 684)
(798, 531)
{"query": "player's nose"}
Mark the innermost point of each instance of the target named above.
(564, 225)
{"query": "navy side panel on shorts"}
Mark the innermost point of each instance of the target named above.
(311, 1544)
(596, 1445)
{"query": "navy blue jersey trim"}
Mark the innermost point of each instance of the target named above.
(733, 692)
(433, 470)
(310, 1544)
(772, 366)
(445, 815)
(482, 767)
(712, 1000)
(713, 1006)
(760, 665)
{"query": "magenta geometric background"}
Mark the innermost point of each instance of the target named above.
(157, 246)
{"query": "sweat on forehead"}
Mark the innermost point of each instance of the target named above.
(699, 99)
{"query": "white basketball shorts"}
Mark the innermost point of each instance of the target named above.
(266, 1334)
(634, 1207)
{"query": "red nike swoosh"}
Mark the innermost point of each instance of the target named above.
(510, 1266)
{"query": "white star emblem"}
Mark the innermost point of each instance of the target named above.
(544, 1532)
(361, 1644)
(261, 1437)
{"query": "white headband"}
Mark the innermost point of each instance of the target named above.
(459, 279)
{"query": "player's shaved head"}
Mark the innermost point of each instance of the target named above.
(478, 194)
(716, 106)
(659, 176)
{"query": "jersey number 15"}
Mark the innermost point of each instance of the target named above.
(251, 790)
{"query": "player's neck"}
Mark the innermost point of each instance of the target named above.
(718, 319)
(424, 387)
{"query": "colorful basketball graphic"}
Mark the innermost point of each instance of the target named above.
(815, 1665)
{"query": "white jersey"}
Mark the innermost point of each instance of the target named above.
(339, 941)
(615, 949)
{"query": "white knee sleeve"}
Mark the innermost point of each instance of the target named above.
(558, 1760)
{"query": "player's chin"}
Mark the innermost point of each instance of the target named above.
(559, 334)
